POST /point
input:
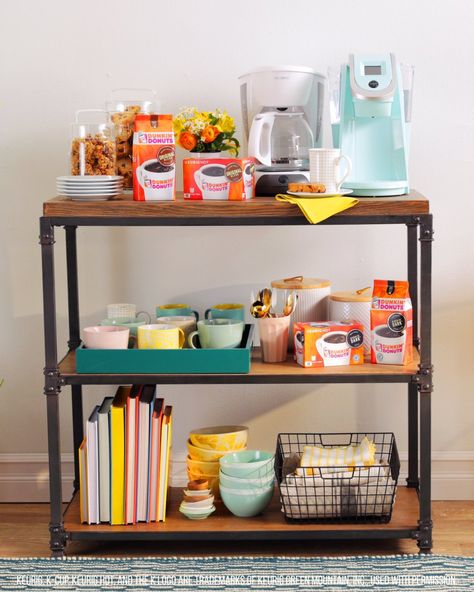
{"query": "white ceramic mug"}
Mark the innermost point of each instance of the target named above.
(212, 186)
(125, 313)
(389, 346)
(334, 349)
(157, 186)
(324, 167)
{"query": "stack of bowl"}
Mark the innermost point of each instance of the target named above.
(198, 502)
(207, 445)
(246, 481)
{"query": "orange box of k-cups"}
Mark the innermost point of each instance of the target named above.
(219, 178)
(391, 323)
(331, 343)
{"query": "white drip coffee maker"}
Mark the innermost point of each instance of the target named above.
(282, 110)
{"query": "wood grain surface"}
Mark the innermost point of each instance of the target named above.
(25, 534)
(267, 207)
(405, 515)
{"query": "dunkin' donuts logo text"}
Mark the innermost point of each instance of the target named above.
(215, 186)
(160, 184)
(155, 138)
(396, 348)
(389, 304)
(335, 353)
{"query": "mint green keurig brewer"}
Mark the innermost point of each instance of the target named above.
(371, 118)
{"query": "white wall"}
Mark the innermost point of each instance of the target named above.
(58, 56)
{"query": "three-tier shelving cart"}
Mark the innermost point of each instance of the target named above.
(412, 511)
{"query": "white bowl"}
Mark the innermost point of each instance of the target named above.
(201, 505)
(106, 337)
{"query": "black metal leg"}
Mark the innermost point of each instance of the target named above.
(426, 387)
(412, 266)
(74, 342)
(412, 479)
(52, 388)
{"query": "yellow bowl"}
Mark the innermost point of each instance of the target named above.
(222, 438)
(196, 453)
(203, 468)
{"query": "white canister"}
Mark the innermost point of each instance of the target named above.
(312, 302)
(353, 306)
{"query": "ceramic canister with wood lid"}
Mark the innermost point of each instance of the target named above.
(353, 306)
(312, 302)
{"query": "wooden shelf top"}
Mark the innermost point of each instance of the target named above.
(222, 524)
(288, 372)
(258, 208)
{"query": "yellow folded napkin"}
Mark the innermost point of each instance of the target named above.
(318, 209)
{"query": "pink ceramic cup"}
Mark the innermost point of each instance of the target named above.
(274, 338)
(106, 337)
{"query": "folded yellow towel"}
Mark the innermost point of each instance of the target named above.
(361, 455)
(318, 209)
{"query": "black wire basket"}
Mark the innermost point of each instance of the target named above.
(338, 493)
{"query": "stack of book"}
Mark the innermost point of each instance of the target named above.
(124, 458)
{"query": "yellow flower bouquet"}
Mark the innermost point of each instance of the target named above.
(205, 131)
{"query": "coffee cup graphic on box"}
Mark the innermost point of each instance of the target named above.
(212, 181)
(334, 349)
(157, 180)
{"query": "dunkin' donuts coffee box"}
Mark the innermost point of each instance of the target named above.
(391, 323)
(331, 343)
(154, 169)
(219, 178)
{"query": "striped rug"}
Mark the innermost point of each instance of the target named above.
(285, 574)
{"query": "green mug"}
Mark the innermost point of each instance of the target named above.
(175, 310)
(217, 334)
(226, 311)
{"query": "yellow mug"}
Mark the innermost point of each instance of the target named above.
(160, 337)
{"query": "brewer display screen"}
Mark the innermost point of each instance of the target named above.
(368, 70)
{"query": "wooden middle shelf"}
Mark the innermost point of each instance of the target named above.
(270, 525)
(260, 373)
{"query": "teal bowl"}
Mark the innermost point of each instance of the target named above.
(244, 482)
(246, 503)
(251, 464)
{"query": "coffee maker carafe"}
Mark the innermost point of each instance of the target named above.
(282, 109)
(280, 141)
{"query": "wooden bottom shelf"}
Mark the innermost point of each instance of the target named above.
(270, 525)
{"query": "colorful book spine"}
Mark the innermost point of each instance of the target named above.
(117, 455)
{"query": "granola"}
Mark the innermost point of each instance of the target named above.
(93, 155)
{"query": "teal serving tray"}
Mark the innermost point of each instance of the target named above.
(167, 361)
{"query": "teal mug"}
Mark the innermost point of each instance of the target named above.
(226, 311)
(175, 310)
(217, 334)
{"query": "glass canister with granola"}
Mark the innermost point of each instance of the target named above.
(93, 150)
(123, 106)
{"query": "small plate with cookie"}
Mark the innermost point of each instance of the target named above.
(314, 190)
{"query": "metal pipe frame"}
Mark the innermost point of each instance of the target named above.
(419, 420)
(52, 388)
(74, 342)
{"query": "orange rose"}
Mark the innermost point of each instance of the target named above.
(209, 134)
(187, 140)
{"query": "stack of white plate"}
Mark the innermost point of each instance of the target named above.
(90, 187)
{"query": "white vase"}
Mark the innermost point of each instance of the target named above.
(207, 154)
